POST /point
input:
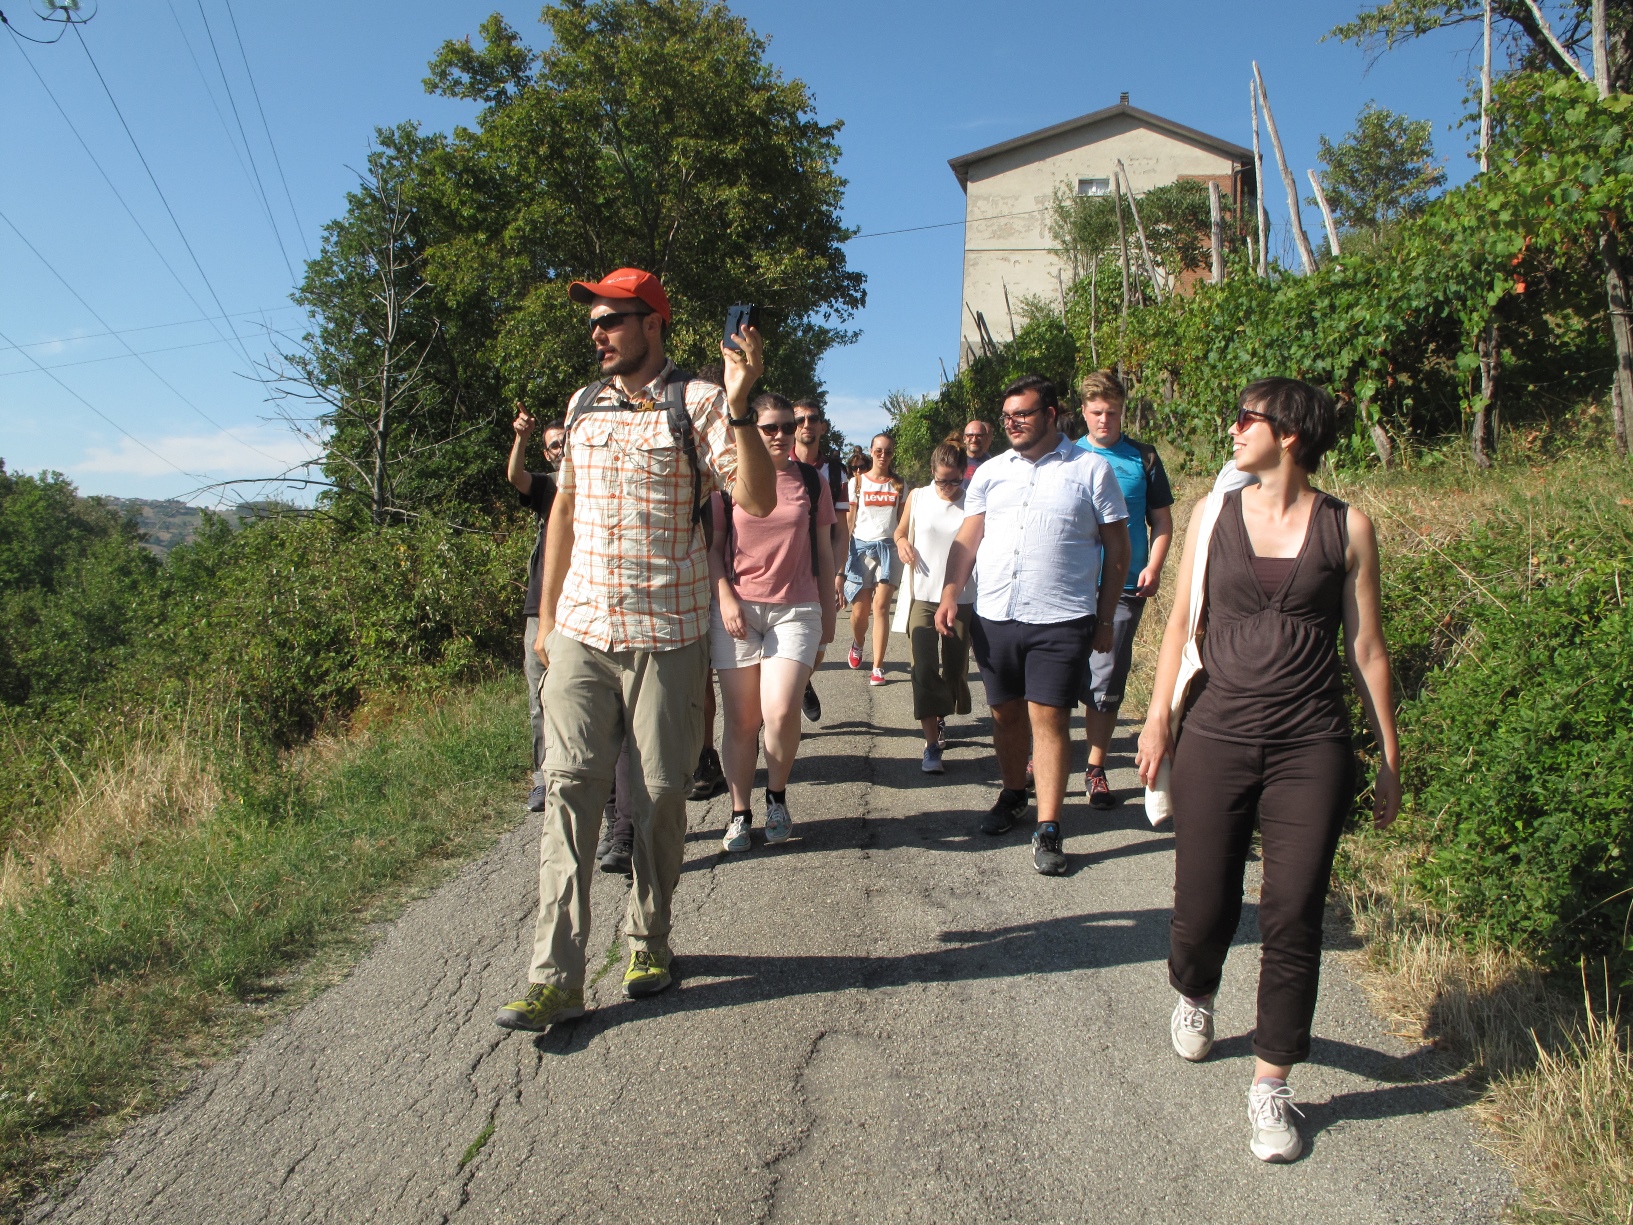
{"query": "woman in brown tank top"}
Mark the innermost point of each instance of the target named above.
(1266, 734)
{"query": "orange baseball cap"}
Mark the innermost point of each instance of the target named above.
(624, 283)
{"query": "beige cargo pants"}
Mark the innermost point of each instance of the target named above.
(590, 697)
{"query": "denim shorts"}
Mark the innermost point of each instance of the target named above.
(871, 562)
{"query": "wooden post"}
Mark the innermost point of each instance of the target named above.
(1305, 254)
(1216, 220)
(1263, 263)
(1150, 265)
(1618, 417)
(1094, 307)
(1480, 438)
(1601, 50)
(1485, 92)
(1616, 295)
(1122, 238)
(1565, 57)
(1007, 309)
(1326, 214)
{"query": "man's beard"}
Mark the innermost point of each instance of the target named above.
(631, 361)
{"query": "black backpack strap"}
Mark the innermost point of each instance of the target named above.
(585, 399)
(838, 481)
(729, 546)
(813, 493)
(685, 436)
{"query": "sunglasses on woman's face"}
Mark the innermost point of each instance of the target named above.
(949, 482)
(772, 428)
(1246, 417)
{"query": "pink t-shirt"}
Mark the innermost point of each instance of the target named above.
(773, 554)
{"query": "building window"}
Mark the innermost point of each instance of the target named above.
(1094, 187)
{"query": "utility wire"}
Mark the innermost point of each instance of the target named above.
(117, 357)
(152, 178)
(152, 327)
(44, 42)
(45, 370)
(942, 225)
(123, 203)
(267, 128)
(78, 297)
(260, 187)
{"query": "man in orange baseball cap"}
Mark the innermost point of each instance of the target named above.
(625, 283)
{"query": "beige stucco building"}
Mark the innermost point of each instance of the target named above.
(1008, 189)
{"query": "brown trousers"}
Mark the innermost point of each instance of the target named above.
(591, 698)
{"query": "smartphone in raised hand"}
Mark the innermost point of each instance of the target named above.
(741, 315)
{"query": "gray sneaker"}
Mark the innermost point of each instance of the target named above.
(778, 824)
(931, 764)
(1191, 1029)
(737, 835)
(1274, 1136)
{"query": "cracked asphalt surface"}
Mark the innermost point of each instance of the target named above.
(889, 1017)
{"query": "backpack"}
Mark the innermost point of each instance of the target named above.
(1148, 456)
(813, 493)
(838, 480)
(680, 429)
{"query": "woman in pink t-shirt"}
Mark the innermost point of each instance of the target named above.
(766, 622)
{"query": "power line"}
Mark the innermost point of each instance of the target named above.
(192, 476)
(266, 204)
(117, 357)
(152, 327)
(267, 128)
(942, 225)
(152, 178)
(117, 195)
(145, 364)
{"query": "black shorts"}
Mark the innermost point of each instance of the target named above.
(1041, 663)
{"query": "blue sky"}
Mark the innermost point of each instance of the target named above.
(915, 83)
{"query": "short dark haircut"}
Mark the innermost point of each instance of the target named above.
(555, 423)
(1295, 407)
(946, 455)
(770, 400)
(811, 402)
(1047, 395)
(712, 372)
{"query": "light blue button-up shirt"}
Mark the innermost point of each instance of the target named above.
(1039, 559)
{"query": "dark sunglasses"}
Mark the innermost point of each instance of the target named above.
(948, 482)
(612, 319)
(1246, 417)
(772, 428)
(809, 420)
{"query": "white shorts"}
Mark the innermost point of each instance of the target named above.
(775, 631)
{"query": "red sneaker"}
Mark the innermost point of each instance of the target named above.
(1099, 791)
(855, 657)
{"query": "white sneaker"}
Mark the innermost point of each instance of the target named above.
(737, 836)
(778, 824)
(1274, 1136)
(1191, 1028)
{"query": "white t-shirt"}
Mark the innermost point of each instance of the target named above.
(1039, 559)
(876, 503)
(935, 522)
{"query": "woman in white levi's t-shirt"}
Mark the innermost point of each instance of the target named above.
(873, 570)
(923, 540)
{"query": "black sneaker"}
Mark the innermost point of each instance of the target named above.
(617, 858)
(812, 706)
(1001, 818)
(535, 799)
(1047, 857)
(1100, 792)
(709, 780)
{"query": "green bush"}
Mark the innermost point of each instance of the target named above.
(1515, 645)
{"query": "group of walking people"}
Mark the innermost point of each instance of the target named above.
(687, 527)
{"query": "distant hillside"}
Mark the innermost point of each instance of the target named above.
(169, 523)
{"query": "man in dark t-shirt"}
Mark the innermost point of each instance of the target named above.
(538, 490)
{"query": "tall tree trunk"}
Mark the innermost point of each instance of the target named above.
(1145, 250)
(1263, 263)
(1480, 440)
(1305, 254)
(1326, 215)
(1122, 242)
(1621, 333)
(1094, 308)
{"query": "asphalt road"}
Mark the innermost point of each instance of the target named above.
(888, 1018)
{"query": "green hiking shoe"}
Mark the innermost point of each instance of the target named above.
(648, 972)
(544, 1005)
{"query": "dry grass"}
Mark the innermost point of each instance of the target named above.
(161, 785)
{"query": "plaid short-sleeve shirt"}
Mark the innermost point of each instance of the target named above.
(639, 574)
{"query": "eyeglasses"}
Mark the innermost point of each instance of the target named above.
(555, 445)
(772, 428)
(809, 420)
(975, 434)
(613, 319)
(1020, 417)
(949, 482)
(1246, 417)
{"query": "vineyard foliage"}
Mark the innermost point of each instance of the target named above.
(1392, 331)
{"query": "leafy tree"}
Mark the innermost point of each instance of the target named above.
(1178, 227)
(1382, 170)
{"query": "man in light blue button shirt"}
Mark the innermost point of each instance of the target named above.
(1037, 519)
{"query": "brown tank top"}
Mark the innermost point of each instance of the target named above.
(1271, 670)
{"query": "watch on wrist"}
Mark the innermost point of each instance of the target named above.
(741, 422)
